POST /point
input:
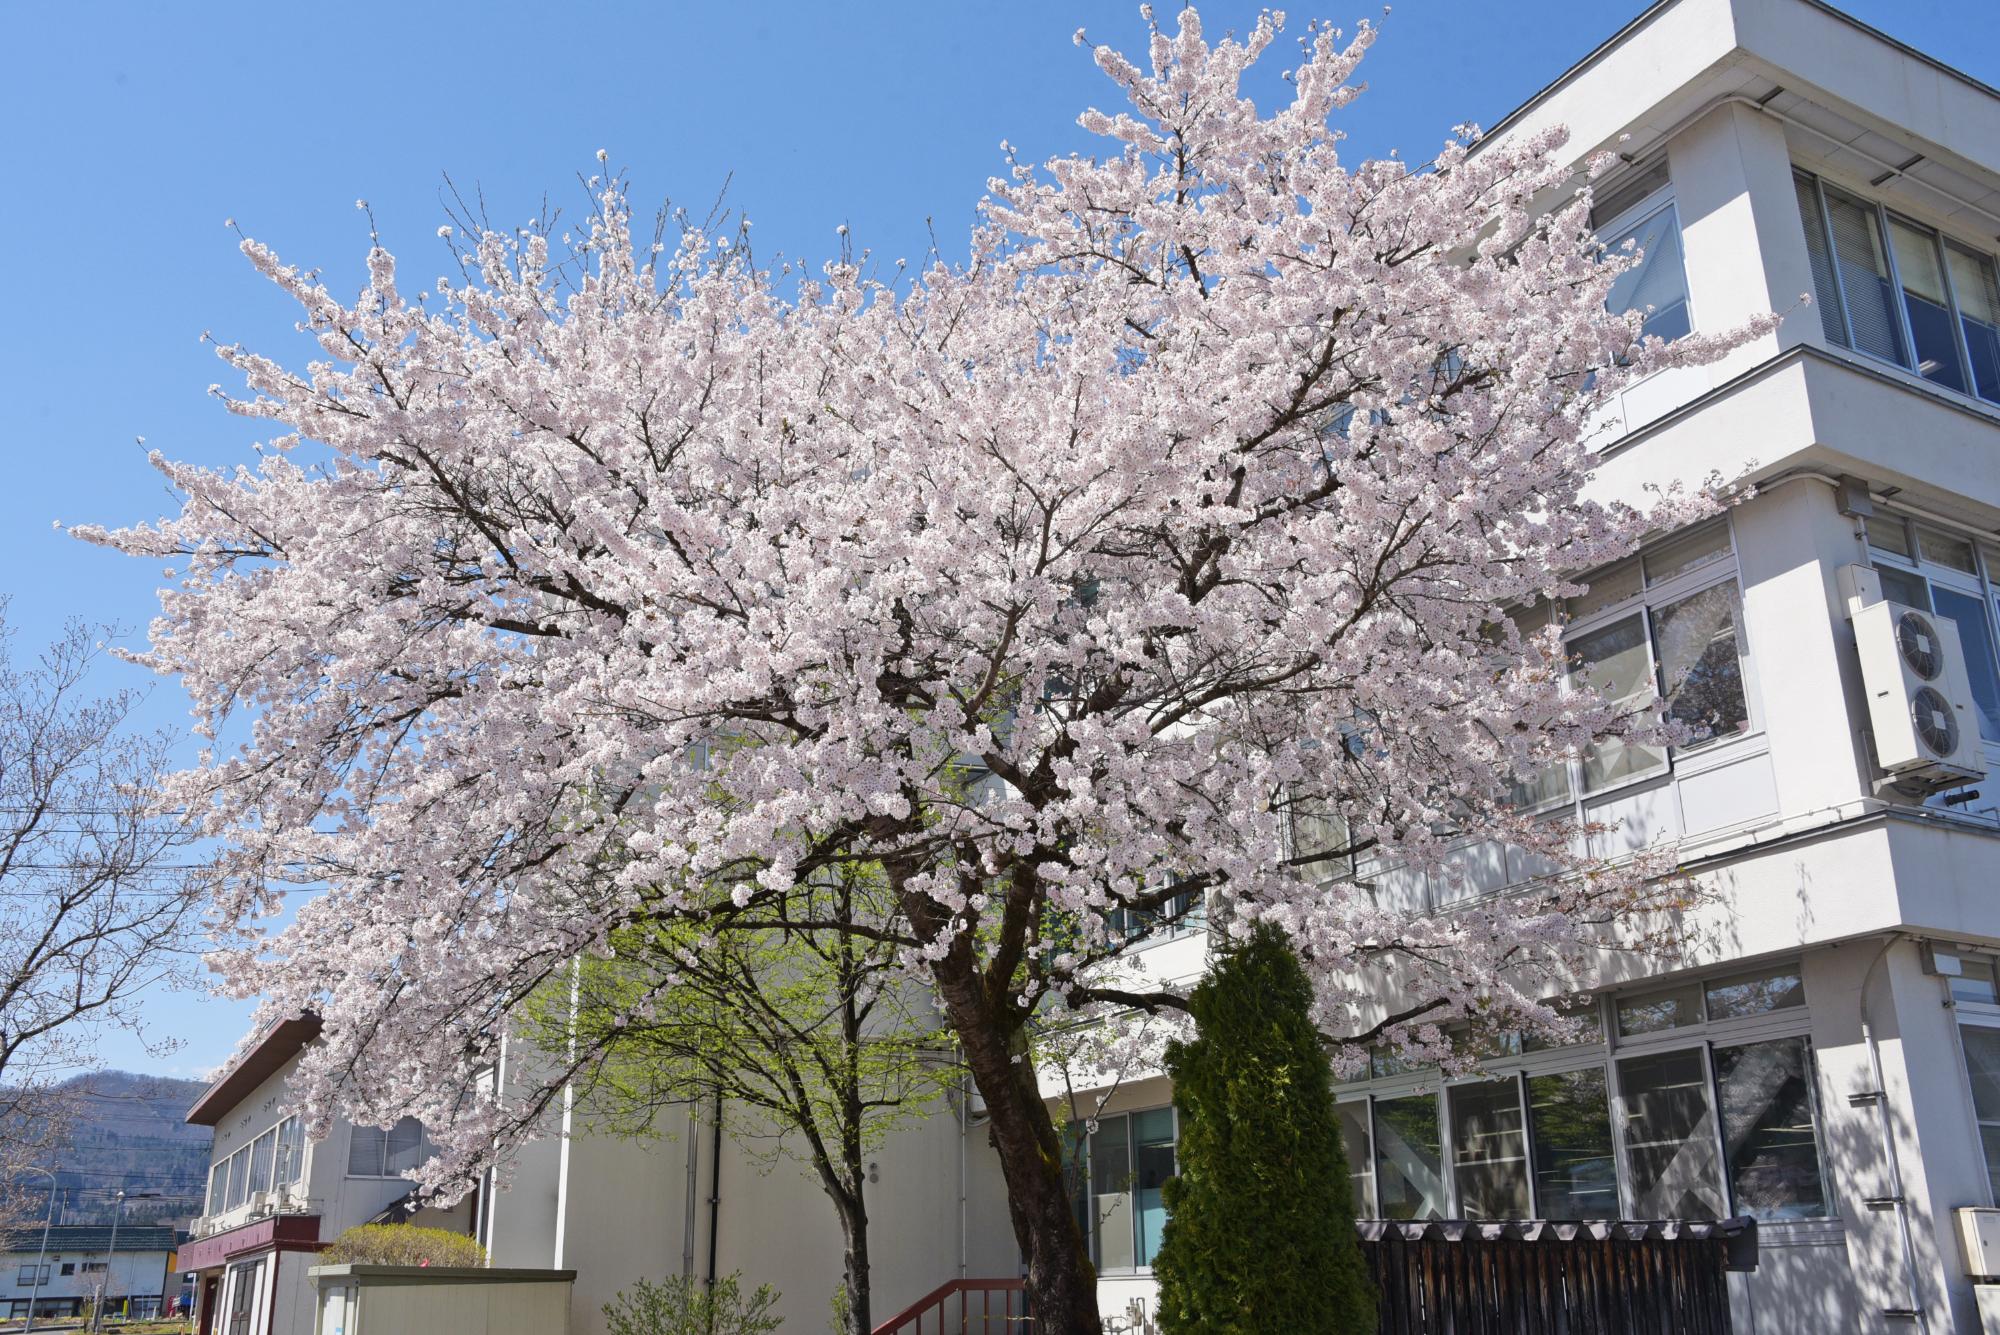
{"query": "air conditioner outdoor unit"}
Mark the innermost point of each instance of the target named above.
(263, 1202)
(1919, 698)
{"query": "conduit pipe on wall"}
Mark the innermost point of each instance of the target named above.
(1912, 1308)
(715, 1197)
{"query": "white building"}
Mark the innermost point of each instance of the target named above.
(1828, 1058)
(70, 1267)
(274, 1195)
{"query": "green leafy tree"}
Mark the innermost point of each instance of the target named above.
(800, 1025)
(1260, 1233)
(681, 1305)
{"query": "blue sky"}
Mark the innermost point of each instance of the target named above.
(134, 130)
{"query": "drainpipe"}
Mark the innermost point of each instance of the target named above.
(714, 1204)
(964, 1128)
(1912, 1309)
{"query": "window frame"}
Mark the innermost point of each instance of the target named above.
(1638, 214)
(1942, 240)
(1086, 1170)
(1604, 1053)
(1645, 602)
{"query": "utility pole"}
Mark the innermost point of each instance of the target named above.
(48, 1217)
(110, 1259)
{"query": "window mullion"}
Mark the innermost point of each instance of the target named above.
(1833, 255)
(1958, 342)
(1898, 297)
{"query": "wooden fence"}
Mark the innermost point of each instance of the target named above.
(1533, 1277)
(1463, 1277)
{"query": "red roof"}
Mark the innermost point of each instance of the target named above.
(278, 1045)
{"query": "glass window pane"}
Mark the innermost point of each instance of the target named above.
(366, 1148)
(1360, 1158)
(1982, 1064)
(1658, 282)
(1899, 586)
(1888, 533)
(1690, 551)
(1153, 1164)
(1614, 662)
(1696, 639)
(1972, 283)
(1576, 1173)
(1669, 1137)
(1754, 993)
(1819, 251)
(1954, 553)
(1650, 1012)
(1606, 588)
(1975, 637)
(1767, 1129)
(1409, 1162)
(239, 1177)
(291, 1152)
(1489, 1151)
(407, 1148)
(262, 1151)
(1592, 1030)
(1111, 1194)
(1921, 270)
(1864, 275)
(1976, 982)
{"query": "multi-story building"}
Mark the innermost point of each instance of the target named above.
(63, 1270)
(1826, 1057)
(274, 1195)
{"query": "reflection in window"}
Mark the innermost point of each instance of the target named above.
(1972, 282)
(1975, 637)
(1489, 1152)
(1360, 1157)
(1615, 663)
(1754, 994)
(291, 1151)
(1576, 1173)
(262, 1151)
(1658, 281)
(1650, 1012)
(1152, 1165)
(1921, 269)
(1864, 277)
(1765, 1090)
(1669, 1136)
(1409, 1162)
(1697, 639)
(1982, 1064)
(1118, 1174)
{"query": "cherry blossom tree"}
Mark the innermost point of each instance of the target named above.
(637, 583)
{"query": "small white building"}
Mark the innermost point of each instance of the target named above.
(274, 1196)
(83, 1265)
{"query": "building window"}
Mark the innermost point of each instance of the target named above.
(1765, 1093)
(1702, 1119)
(1669, 1136)
(262, 1152)
(1982, 1066)
(1489, 1149)
(1662, 630)
(31, 1276)
(1637, 213)
(1944, 574)
(1901, 291)
(1126, 1163)
(1576, 1171)
(291, 1155)
(374, 1151)
(1409, 1158)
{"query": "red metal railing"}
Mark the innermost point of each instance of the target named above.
(964, 1307)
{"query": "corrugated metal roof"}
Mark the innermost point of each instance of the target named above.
(90, 1238)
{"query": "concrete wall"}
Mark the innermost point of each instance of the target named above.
(394, 1300)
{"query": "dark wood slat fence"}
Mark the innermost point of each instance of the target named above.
(1465, 1277)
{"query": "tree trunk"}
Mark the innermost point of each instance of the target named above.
(1062, 1284)
(853, 1210)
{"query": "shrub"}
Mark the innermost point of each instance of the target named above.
(1260, 1233)
(402, 1244)
(680, 1305)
